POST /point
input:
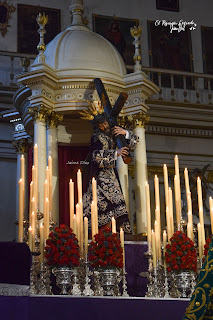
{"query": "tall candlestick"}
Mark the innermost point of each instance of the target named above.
(50, 166)
(21, 212)
(166, 185)
(35, 151)
(168, 222)
(41, 243)
(154, 257)
(48, 217)
(157, 193)
(81, 229)
(78, 222)
(157, 245)
(157, 218)
(71, 198)
(30, 202)
(113, 225)
(122, 244)
(189, 202)
(92, 220)
(86, 235)
(48, 181)
(177, 174)
(148, 212)
(186, 176)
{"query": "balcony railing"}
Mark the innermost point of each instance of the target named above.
(175, 86)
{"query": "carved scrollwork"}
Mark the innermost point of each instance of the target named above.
(5, 12)
(22, 145)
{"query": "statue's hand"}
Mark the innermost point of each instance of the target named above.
(118, 130)
(123, 151)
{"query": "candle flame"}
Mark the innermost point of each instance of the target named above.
(164, 231)
(79, 170)
(164, 165)
(47, 199)
(47, 168)
(50, 157)
(20, 180)
(22, 156)
(198, 178)
(30, 228)
(176, 156)
(77, 205)
(41, 225)
(33, 213)
(35, 145)
(156, 176)
(70, 180)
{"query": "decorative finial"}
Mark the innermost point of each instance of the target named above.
(42, 21)
(135, 33)
(77, 9)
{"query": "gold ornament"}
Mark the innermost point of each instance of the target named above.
(92, 111)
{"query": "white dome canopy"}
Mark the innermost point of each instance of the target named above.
(77, 51)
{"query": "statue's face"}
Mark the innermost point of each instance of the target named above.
(104, 127)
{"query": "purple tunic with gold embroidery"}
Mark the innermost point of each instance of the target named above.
(111, 201)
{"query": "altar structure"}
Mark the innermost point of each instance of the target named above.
(60, 84)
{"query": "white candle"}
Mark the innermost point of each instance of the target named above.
(71, 198)
(158, 233)
(95, 201)
(74, 224)
(113, 225)
(92, 220)
(157, 193)
(189, 202)
(122, 244)
(86, 235)
(50, 166)
(171, 210)
(30, 238)
(78, 222)
(211, 212)
(79, 185)
(190, 222)
(177, 201)
(199, 241)
(200, 206)
(36, 173)
(42, 243)
(48, 182)
(166, 186)
(48, 217)
(148, 212)
(177, 174)
(154, 257)
(21, 212)
(30, 203)
(168, 222)
(186, 176)
(81, 228)
(164, 246)
(33, 230)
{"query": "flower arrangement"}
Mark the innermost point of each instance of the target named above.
(206, 246)
(181, 254)
(106, 250)
(62, 248)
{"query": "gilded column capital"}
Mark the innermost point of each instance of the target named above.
(53, 119)
(39, 113)
(140, 120)
(22, 145)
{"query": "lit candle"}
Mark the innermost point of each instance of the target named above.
(48, 217)
(122, 244)
(154, 257)
(157, 193)
(186, 176)
(79, 185)
(199, 241)
(50, 166)
(171, 210)
(189, 231)
(158, 232)
(30, 237)
(148, 212)
(166, 186)
(77, 207)
(36, 173)
(21, 212)
(164, 246)
(71, 197)
(157, 244)
(168, 222)
(113, 225)
(211, 212)
(86, 235)
(42, 243)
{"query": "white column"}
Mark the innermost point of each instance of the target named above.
(40, 140)
(140, 175)
(52, 150)
(122, 169)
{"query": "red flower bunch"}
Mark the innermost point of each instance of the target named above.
(62, 248)
(206, 246)
(181, 254)
(106, 250)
